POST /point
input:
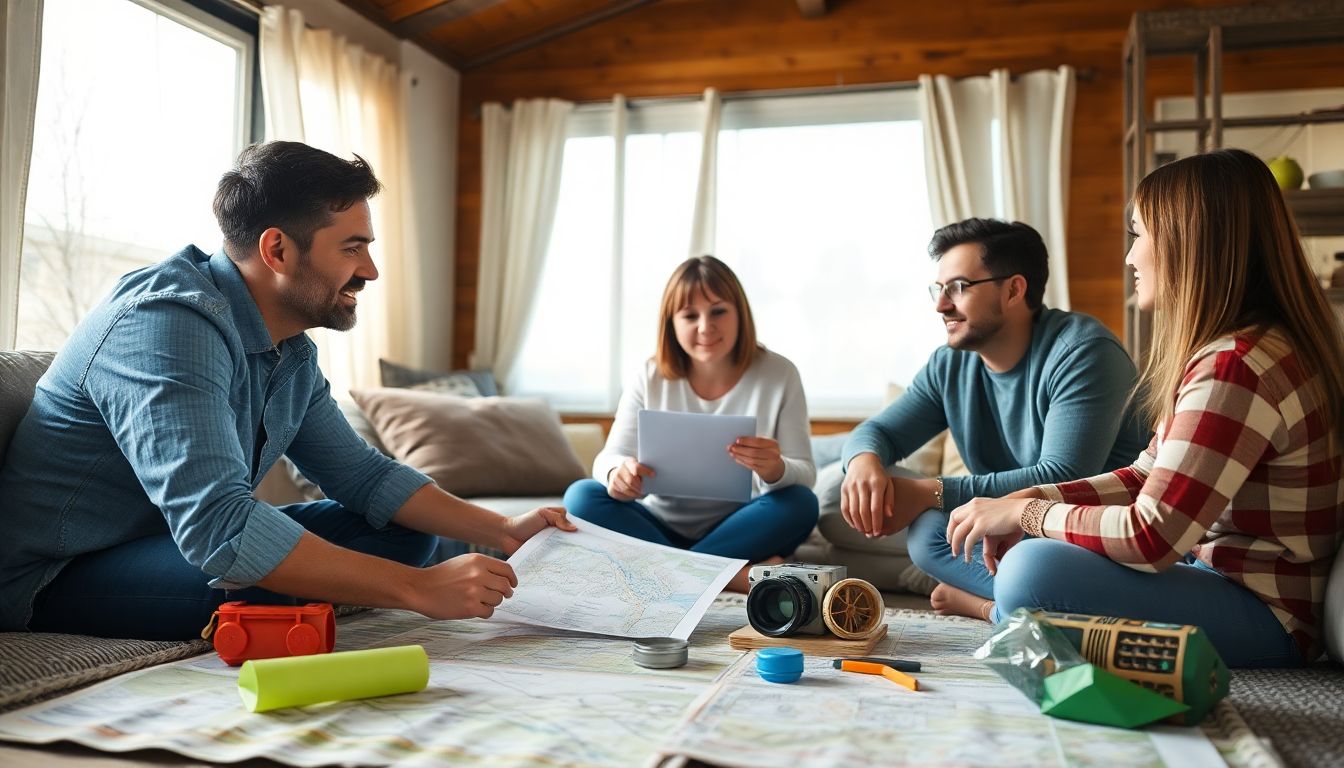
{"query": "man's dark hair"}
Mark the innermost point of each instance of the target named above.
(287, 185)
(1008, 248)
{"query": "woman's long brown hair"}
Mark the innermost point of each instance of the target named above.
(1228, 258)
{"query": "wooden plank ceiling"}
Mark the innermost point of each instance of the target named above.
(471, 33)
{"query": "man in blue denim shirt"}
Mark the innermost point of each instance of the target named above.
(128, 505)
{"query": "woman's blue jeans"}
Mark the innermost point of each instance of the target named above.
(1059, 576)
(772, 524)
(145, 589)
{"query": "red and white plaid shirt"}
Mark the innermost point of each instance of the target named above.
(1242, 475)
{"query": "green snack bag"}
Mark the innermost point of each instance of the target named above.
(1175, 660)
(1090, 694)
(1025, 651)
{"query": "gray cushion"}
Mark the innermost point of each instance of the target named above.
(826, 449)
(394, 375)
(19, 372)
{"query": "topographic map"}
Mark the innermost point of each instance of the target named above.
(606, 583)
(518, 695)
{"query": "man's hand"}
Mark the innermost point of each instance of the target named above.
(523, 527)
(996, 523)
(866, 495)
(626, 481)
(465, 587)
(761, 455)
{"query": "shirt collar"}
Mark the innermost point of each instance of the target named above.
(246, 316)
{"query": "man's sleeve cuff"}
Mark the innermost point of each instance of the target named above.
(391, 493)
(267, 537)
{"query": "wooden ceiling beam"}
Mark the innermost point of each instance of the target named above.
(421, 22)
(551, 33)
(812, 9)
(374, 14)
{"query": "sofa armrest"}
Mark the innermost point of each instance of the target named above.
(586, 440)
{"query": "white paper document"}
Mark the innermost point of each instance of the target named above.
(595, 580)
(688, 453)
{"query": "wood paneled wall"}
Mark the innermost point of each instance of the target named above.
(677, 47)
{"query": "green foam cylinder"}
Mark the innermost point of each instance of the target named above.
(298, 681)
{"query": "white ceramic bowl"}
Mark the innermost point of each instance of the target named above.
(1326, 179)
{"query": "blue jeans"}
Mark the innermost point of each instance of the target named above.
(1059, 576)
(145, 589)
(771, 524)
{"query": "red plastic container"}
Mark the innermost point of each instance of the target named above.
(245, 631)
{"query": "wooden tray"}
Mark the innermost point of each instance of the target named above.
(746, 639)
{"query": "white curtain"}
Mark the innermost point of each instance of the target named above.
(521, 155)
(620, 126)
(21, 37)
(702, 222)
(330, 94)
(996, 147)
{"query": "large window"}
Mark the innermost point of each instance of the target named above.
(140, 106)
(822, 210)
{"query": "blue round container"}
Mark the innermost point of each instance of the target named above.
(779, 665)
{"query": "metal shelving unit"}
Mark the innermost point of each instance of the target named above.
(1205, 34)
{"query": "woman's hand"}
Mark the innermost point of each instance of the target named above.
(760, 455)
(626, 481)
(523, 527)
(996, 523)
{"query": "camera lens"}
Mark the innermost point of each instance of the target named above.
(780, 606)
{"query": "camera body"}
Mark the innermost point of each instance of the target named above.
(786, 599)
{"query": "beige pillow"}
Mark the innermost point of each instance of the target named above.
(474, 446)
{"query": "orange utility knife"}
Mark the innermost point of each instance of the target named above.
(871, 668)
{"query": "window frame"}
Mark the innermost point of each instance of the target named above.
(229, 26)
(765, 110)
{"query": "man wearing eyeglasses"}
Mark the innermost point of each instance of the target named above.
(1030, 394)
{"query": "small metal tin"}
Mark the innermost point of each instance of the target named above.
(661, 652)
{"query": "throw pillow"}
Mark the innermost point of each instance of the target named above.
(474, 446)
(453, 384)
(394, 375)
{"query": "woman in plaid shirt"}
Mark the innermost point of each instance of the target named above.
(1231, 519)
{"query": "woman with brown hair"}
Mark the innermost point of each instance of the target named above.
(708, 361)
(1231, 519)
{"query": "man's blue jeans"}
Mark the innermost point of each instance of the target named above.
(145, 588)
(1059, 576)
(771, 524)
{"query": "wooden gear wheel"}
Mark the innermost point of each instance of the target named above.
(852, 609)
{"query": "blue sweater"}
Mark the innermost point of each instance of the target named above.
(1060, 414)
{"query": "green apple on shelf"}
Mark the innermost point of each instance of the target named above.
(1286, 172)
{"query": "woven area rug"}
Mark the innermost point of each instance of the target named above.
(1300, 712)
(36, 665)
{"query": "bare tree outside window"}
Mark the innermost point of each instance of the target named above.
(137, 114)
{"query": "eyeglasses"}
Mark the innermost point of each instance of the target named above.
(956, 288)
